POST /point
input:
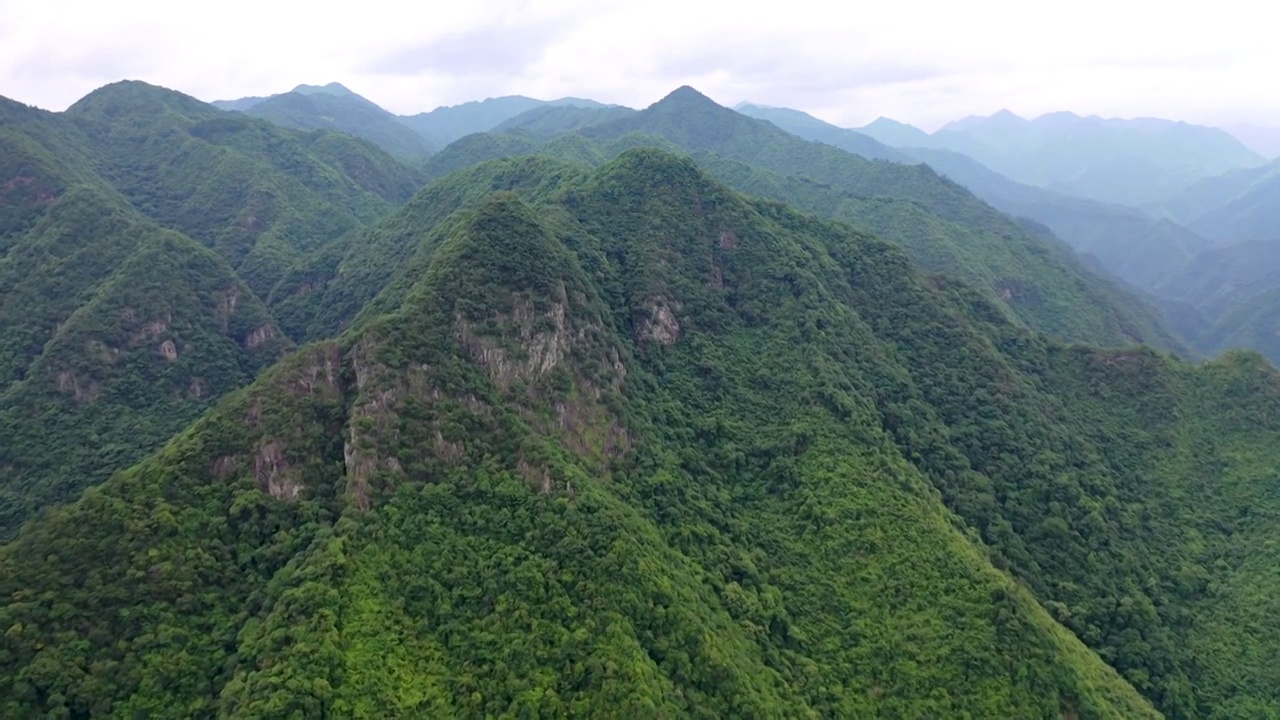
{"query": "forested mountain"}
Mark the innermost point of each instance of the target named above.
(342, 110)
(636, 444)
(261, 196)
(1131, 244)
(115, 333)
(1133, 162)
(659, 413)
(944, 227)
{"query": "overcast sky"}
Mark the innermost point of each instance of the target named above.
(920, 62)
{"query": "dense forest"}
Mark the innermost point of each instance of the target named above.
(596, 413)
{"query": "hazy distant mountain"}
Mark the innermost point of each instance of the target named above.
(446, 124)
(1235, 206)
(1129, 243)
(1261, 139)
(811, 128)
(895, 134)
(1128, 161)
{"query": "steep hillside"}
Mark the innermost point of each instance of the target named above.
(1133, 162)
(260, 196)
(635, 457)
(114, 332)
(348, 113)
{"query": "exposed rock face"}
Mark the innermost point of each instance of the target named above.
(661, 326)
(259, 336)
(169, 350)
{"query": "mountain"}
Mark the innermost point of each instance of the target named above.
(550, 120)
(1223, 277)
(1232, 207)
(1135, 246)
(947, 228)
(1261, 139)
(332, 89)
(895, 134)
(327, 293)
(323, 108)
(447, 124)
(811, 128)
(1132, 162)
(1131, 245)
(260, 196)
(625, 441)
(115, 332)
(550, 481)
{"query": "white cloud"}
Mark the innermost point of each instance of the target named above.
(924, 62)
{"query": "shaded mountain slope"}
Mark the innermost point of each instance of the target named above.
(553, 481)
(259, 195)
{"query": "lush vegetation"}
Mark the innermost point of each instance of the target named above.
(114, 332)
(579, 430)
(1043, 283)
(261, 196)
(551, 482)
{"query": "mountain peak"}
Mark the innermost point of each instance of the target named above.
(332, 88)
(685, 93)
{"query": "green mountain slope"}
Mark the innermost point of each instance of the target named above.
(1132, 162)
(261, 196)
(328, 292)
(114, 332)
(1043, 283)
(348, 113)
(643, 452)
